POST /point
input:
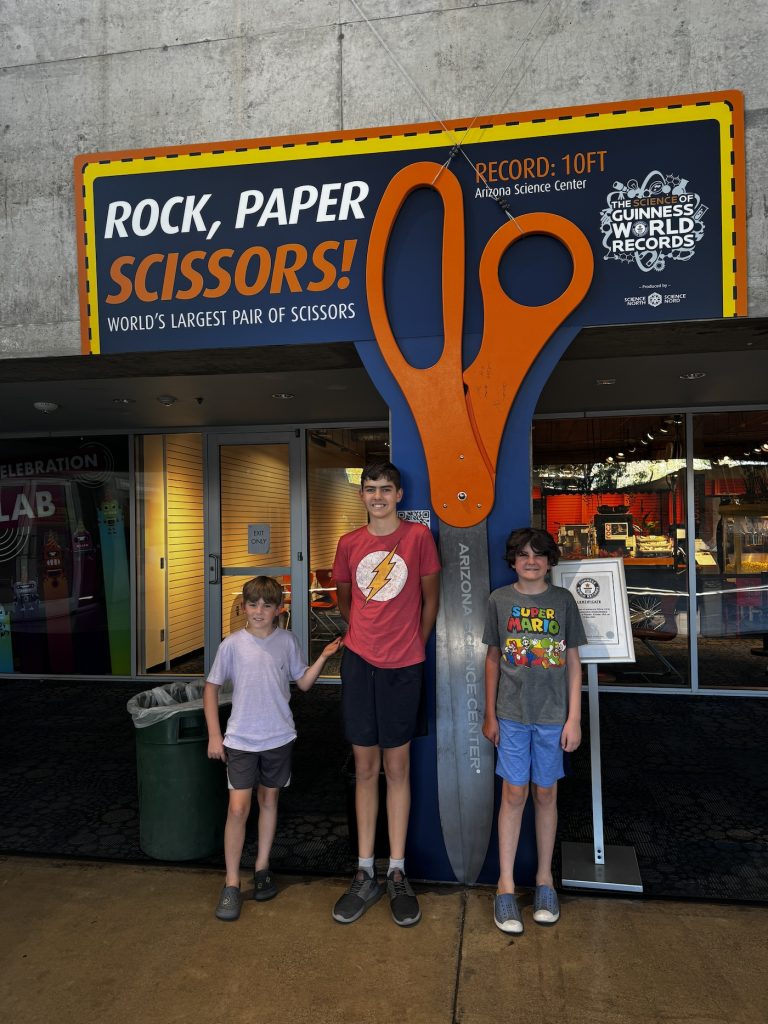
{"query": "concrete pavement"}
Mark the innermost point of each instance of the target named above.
(95, 943)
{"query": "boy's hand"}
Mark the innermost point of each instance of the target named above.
(330, 649)
(216, 749)
(491, 729)
(570, 738)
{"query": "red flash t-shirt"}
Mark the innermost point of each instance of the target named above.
(385, 573)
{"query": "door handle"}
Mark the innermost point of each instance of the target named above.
(213, 568)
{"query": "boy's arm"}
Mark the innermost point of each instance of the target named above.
(310, 676)
(492, 672)
(344, 599)
(211, 709)
(571, 735)
(430, 601)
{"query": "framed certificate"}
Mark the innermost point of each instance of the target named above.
(600, 590)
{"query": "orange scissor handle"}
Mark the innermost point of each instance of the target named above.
(514, 334)
(461, 484)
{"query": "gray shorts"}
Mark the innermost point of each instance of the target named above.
(247, 769)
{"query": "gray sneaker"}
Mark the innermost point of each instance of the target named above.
(506, 913)
(546, 908)
(264, 887)
(228, 908)
(363, 892)
(402, 900)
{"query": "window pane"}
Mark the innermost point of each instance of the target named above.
(731, 485)
(615, 487)
(335, 458)
(64, 556)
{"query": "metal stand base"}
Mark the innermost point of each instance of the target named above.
(620, 870)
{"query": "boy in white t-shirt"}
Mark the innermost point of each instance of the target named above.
(260, 661)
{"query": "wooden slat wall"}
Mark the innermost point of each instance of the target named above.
(334, 508)
(186, 557)
(255, 488)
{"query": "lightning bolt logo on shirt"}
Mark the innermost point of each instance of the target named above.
(381, 575)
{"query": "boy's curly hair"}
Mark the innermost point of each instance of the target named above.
(542, 543)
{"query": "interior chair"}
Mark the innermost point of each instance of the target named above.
(653, 622)
(323, 606)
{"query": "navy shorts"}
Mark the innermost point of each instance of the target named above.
(249, 768)
(381, 707)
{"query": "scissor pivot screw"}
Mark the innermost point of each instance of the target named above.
(479, 504)
(462, 495)
(445, 504)
(461, 456)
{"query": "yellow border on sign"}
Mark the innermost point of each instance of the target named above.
(725, 108)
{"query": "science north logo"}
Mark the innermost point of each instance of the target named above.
(650, 222)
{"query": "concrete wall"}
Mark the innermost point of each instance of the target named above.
(92, 75)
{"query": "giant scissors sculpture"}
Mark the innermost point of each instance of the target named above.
(460, 415)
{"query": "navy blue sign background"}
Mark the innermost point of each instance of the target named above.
(620, 293)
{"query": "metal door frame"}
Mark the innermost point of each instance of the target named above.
(298, 569)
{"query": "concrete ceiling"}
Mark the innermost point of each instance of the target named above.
(237, 387)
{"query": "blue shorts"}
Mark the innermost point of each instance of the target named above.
(529, 753)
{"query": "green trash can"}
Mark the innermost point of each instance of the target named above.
(182, 794)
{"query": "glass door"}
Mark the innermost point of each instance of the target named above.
(255, 525)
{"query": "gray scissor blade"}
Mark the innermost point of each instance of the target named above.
(464, 757)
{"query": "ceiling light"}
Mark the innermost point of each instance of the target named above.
(167, 399)
(45, 407)
(123, 401)
(620, 455)
(643, 441)
(695, 375)
(764, 446)
(605, 380)
(663, 430)
(649, 435)
(283, 395)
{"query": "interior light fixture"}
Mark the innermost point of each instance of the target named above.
(610, 459)
(124, 401)
(643, 441)
(663, 430)
(764, 446)
(167, 399)
(649, 435)
(694, 375)
(605, 380)
(283, 395)
(620, 455)
(46, 407)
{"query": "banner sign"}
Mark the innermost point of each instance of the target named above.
(264, 242)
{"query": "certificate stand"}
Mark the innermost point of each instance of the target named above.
(598, 866)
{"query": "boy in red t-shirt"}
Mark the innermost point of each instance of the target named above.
(388, 584)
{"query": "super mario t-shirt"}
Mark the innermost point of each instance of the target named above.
(533, 632)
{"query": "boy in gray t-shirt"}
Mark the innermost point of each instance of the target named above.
(532, 710)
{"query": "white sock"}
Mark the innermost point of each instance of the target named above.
(396, 865)
(366, 863)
